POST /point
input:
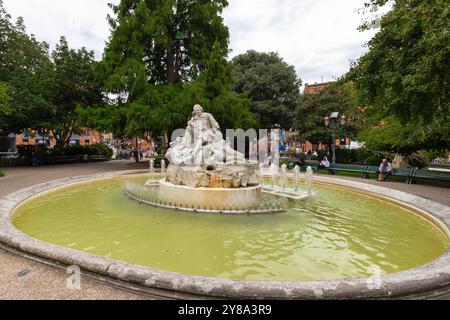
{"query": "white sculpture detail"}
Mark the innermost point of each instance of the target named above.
(202, 144)
(202, 158)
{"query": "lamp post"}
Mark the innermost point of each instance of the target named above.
(334, 122)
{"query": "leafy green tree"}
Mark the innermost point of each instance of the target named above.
(24, 64)
(42, 88)
(160, 42)
(73, 84)
(271, 83)
(162, 58)
(164, 108)
(309, 116)
(404, 78)
(214, 90)
(5, 105)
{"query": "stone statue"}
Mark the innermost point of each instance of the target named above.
(202, 143)
(202, 158)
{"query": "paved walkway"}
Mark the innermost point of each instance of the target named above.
(439, 194)
(21, 278)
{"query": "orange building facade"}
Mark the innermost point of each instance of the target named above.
(317, 88)
(89, 137)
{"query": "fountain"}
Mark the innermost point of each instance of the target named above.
(207, 175)
(296, 178)
(307, 250)
(205, 172)
(309, 180)
(319, 237)
(152, 166)
(163, 166)
(283, 177)
(273, 175)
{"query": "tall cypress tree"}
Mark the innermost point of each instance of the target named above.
(160, 42)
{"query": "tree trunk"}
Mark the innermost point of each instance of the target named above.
(138, 152)
(171, 72)
(400, 161)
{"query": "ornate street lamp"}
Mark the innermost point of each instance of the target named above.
(333, 122)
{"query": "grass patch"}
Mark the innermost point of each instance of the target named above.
(1, 173)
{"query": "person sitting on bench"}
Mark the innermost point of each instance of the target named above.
(385, 171)
(324, 164)
(301, 161)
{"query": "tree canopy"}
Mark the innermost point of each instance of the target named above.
(164, 108)
(5, 105)
(24, 66)
(160, 42)
(162, 58)
(42, 89)
(271, 83)
(309, 116)
(404, 78)
(73, 84)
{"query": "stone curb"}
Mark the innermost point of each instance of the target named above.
(430, 280)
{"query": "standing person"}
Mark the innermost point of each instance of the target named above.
(34, 160)
(385, 171)
(51, 157)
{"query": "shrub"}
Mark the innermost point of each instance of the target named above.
(419, 160)
(26, 151)
(68, 150)
(370, 157)
(104, 150)
(162, 150)
(1, 174)
(284, 161)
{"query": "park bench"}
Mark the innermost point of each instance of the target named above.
(97, 158)
(405, 173)
(440, 167)
(425, 174)
(65, 159)
(364, 170)
(410, 174)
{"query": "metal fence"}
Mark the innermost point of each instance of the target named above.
(7, 159)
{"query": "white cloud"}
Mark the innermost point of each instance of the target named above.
(82, 22)
(319, 37)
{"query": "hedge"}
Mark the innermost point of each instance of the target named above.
(68, 150)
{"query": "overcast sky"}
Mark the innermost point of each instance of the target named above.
(318, 37)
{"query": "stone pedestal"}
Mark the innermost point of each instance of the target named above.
(210, 198)
(218, 176)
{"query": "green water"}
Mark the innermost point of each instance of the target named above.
(335, 235)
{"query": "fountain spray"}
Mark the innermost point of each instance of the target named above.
(296, 178)
(308, 180)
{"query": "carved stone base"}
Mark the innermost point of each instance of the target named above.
(219, 176)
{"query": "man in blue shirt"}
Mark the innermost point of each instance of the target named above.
(385, 171)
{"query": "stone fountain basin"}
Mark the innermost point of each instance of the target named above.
(427, 281)
(210, 198)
